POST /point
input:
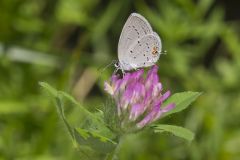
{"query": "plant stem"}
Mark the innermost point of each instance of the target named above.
(113, 154)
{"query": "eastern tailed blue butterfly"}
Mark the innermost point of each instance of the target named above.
(138, 46)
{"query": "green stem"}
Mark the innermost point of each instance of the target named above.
(113, 154)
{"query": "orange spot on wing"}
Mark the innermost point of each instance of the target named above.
(154, 51)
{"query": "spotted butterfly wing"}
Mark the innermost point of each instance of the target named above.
(138, 44)
(145, 52)
(134, 29)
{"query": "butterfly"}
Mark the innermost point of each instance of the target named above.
(139, 46)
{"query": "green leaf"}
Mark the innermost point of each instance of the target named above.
(72, 100)
(59, 104)
(92, 121)
(92, 132)
(60, 108)
(60, 95)
(94, 140)
(175, 130)
(182, 101)
(52, 91)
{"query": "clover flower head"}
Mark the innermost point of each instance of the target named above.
(139, 99)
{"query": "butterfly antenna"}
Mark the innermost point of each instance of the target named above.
(102, 69)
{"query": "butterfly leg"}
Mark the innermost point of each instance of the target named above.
(116, 70)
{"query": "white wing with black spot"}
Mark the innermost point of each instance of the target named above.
(134, 29)
(138, 45)
(145, 52)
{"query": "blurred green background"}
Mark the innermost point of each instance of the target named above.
(65, 42)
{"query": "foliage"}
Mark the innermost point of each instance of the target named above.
(96, 134)
(175, 130)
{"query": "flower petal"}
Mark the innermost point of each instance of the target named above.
(157, 90)
(114, 78)
(164, 110)
(151, 80)
(165, 95)
(136, 111)
(108, 88)
(168, 107)
(149, 117)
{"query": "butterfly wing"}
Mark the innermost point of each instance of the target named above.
(145, 52)
(134, 29)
